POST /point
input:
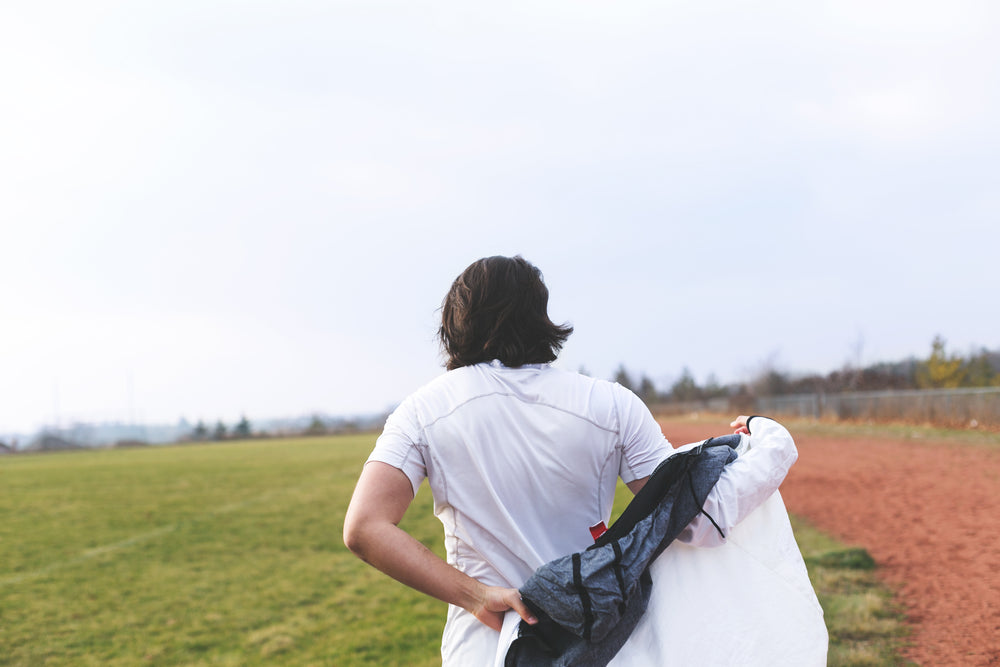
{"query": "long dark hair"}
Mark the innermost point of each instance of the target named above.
(498, 309)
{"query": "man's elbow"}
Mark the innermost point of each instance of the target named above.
(355, 537)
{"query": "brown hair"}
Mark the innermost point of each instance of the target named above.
(497, 309)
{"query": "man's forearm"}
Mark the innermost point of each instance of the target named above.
(370, 530)
(391, 550)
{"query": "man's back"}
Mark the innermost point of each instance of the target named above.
(521, 461)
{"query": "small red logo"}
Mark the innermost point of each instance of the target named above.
(598, 529)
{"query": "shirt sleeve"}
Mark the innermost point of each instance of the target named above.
(745, 483)
(399, 444)
(643, 442)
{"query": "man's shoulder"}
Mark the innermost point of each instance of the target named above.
(541, 383)
(449, 389)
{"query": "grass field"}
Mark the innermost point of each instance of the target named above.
(231, 554)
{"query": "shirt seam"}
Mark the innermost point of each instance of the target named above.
(600, 479)
(621, 446)
(525, 401)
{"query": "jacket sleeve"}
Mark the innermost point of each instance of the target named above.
(745, 483)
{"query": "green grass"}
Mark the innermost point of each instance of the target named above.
(231, 554)
(865, 624)
(205, 555)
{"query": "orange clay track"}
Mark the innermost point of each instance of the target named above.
(927, 512)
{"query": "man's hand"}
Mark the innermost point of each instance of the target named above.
(494, 601)
(740, 424)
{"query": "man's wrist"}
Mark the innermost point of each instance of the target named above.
(472, 595)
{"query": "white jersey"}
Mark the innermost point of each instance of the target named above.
(521, 462)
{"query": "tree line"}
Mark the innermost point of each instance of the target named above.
(241, 430)
(941, 369)
(314, 425)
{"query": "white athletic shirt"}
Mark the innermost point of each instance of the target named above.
(521, 462)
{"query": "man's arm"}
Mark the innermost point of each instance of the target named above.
(746, 482)
(371, 531)
(636, 485)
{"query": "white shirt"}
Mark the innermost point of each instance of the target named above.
(521, 462)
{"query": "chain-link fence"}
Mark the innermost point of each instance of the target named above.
(942, 407)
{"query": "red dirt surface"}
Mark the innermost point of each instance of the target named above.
(928, 513)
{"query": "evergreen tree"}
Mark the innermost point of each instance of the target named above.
(242, 429)
(685, 389)
(647, 390)
(316, 427)
(200, 431)
(940, 371)
(622, 378)
(712, 388)
(979, 372)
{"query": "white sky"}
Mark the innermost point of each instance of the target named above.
(212, 208)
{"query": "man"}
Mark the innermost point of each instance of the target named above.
(522, 459)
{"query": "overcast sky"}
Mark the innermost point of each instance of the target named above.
(213, 208)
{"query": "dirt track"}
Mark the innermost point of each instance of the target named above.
(928, 512)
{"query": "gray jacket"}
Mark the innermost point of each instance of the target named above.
(589, 602)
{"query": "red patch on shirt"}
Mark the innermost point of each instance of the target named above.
(597, 530)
